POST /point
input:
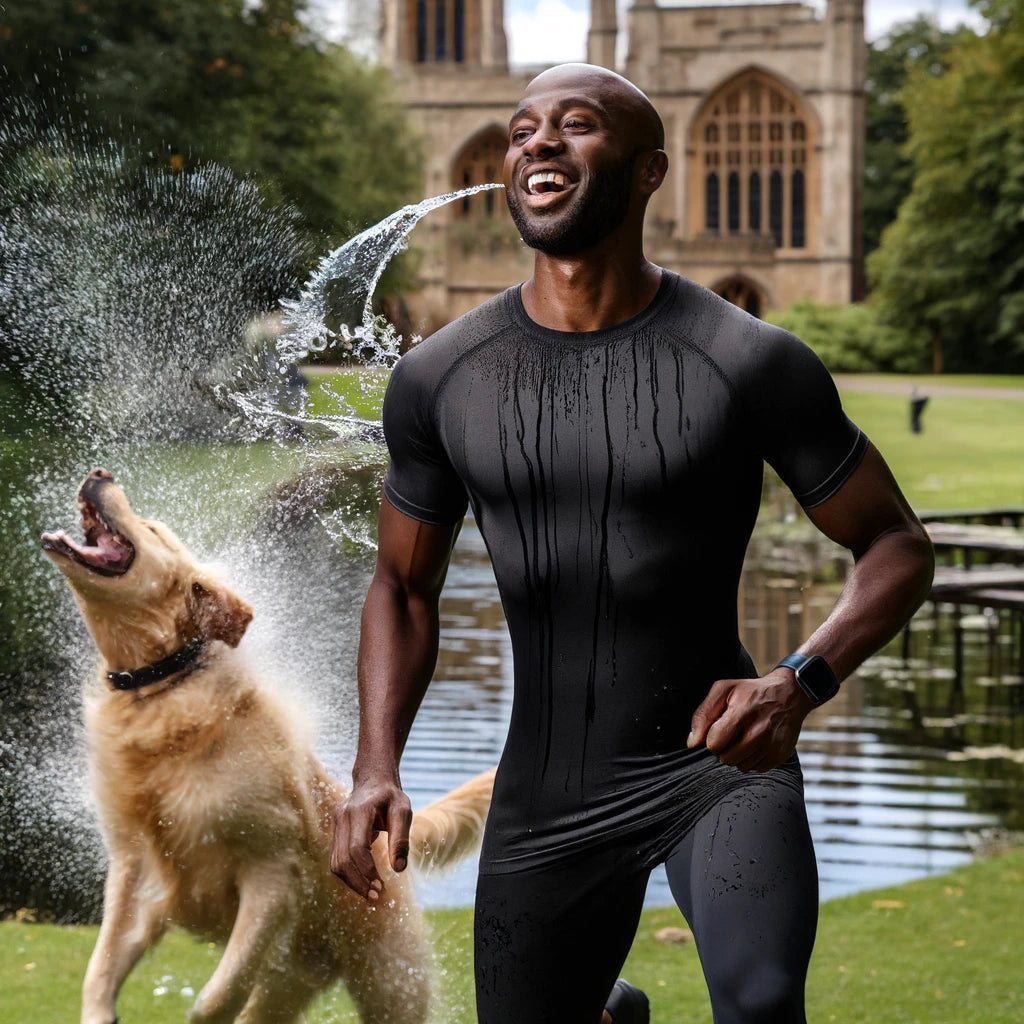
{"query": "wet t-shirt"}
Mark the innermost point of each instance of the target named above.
(615, 477)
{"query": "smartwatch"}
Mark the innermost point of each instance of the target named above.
(813, 674)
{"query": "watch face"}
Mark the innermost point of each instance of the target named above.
(817, 679)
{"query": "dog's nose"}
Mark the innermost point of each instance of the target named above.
(100, 474)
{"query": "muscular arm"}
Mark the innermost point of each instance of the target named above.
(397, 653)
(754, 724)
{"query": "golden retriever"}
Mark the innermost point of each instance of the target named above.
(216, 814)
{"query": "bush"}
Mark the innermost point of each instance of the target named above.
(852, 339)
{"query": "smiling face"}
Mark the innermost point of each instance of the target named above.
(575, 143)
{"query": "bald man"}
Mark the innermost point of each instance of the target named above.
(608, 422)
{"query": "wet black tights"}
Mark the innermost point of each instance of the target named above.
(551, 942)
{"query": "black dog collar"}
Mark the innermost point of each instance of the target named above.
(139, 677)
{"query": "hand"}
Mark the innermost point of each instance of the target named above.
(373, 807)
(752, 724)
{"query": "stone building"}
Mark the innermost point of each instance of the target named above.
(763, 107)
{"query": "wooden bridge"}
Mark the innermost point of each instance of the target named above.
(980, 565)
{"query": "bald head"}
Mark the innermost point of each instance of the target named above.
(622, 99)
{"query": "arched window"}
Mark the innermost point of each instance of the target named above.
(479, 163)
(742, 293)
(756, 128)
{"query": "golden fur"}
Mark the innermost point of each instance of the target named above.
(215, 812)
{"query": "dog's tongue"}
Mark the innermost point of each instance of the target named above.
(107, 551)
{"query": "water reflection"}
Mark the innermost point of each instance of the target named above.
(898, 787)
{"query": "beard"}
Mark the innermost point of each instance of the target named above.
(591, 216)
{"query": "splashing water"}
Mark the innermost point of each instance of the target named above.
(134, 335)
(356, 266)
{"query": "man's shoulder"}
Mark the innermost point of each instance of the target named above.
(436, 353)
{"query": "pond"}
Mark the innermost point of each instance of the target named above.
(897, 788)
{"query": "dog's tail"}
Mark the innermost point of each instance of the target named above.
(449, 829)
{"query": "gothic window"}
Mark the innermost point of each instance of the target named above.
(478, 164)
(743, 294)
(440, 30)
(760, 133)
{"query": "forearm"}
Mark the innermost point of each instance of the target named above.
(886, 585)
(397, 654)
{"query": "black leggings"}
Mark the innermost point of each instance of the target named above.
(551, 942)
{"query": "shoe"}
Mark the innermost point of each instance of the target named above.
(627, 1004)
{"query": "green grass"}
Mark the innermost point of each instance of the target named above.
(943, 949)
(351, 391)
(970, 453)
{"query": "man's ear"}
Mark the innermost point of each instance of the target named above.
(217, 613)
(653, 168)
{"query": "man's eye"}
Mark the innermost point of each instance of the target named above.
(519, 134)
(575, 122)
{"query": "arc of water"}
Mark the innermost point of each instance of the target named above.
(361, 261)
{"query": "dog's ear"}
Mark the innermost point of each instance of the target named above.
(217, 613)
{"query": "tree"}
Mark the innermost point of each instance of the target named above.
(918, 46)
(242, 83)
(953, 261)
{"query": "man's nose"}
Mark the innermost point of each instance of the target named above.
(543, 142)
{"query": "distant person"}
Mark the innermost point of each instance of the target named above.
(608, 421)
(917, 404)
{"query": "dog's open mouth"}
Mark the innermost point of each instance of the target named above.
(105, 551)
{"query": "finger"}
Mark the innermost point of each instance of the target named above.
(710, 709)
(399, 823)
(725, 736)
(351, 860)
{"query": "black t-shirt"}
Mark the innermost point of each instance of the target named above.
(615, 476)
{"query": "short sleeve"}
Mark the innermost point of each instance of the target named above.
(804, 433)
(421, 481)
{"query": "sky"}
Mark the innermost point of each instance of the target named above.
(549, 31)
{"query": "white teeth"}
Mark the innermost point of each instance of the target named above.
(546, 178)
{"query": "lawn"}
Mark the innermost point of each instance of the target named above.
(936, 951)
(970, 454)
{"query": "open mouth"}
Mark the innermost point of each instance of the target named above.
(543, 186)
(540, 183)
(105, 551)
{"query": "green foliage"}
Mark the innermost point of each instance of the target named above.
(952, 263)
(919, 46)
(245, 84)
(850, 339)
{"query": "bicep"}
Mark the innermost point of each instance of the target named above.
(868, 505)
(412, 556)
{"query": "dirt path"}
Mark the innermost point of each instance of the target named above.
(888, 386)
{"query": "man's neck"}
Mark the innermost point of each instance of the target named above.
(588, 293)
